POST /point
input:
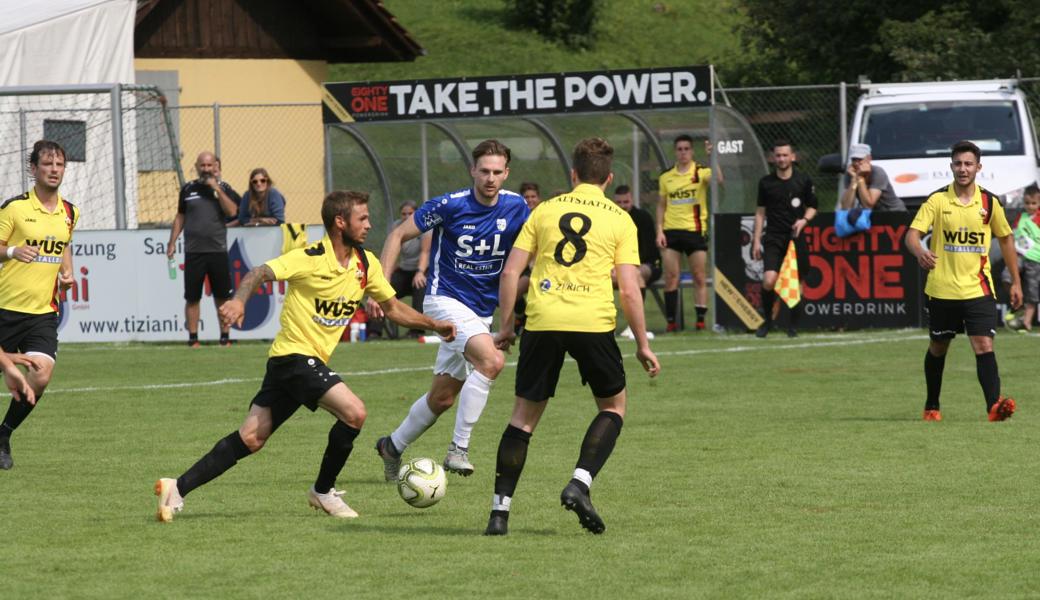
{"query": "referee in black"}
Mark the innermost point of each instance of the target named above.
(786, 202)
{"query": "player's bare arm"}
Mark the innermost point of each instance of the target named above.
(756, 238)
(25, 254)
(232, 311)
(392, 246)
(1007, 248)
(507, 283)
(65, 279)
(226, 203)
(800, 224)
(925, 257)
(15, 380)
(717, 172)
(632, 307)
(175, 232)
(406, 316)
(662, 242)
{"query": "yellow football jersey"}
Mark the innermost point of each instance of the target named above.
(322, 297)
(960, 241)
(576, 239)
(33, 287)
(686, 198)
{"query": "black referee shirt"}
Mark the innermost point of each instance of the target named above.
(785, 200)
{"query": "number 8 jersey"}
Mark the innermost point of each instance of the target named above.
(576, 239)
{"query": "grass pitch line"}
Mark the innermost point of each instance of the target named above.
(427, 368)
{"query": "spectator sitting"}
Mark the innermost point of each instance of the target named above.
(262, 204)
(868, 185)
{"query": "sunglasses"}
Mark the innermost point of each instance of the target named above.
(256, 181)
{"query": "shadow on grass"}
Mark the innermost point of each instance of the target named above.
(426, 529)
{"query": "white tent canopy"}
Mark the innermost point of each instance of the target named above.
(61, 42)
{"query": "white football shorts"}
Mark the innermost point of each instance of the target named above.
(450, 358)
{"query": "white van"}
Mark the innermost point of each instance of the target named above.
(910, 128)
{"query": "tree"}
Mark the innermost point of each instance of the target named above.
(814, 41)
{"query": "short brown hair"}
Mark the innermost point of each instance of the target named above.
(529, 185)
(593, 158)
(966, 146)
(339, 204)
(492, 148)
(45, 147)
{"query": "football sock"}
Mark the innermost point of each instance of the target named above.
(16, 413)
(341, 442)
(193, 337)
(418, 420)
(933, 372)
(989, 377)
(597, 446)
(512, 454)
(701, 311)
(796, 315)
(671, 302)
(768, 298)
(472, 400)
(225, 337)
(222, 457)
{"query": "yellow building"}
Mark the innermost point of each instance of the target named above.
(244, 79)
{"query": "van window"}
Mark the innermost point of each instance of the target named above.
(924, 129)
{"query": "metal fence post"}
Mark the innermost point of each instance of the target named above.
(24, 144)
(423, 162)
(118, 162)
(328, 160)
(635, 165)
(844, 124)
(216, 129)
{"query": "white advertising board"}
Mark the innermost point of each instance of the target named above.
(125, 290)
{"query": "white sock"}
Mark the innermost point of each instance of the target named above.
(500, 502)
(583, 476)
(472, 400)
(419, 419)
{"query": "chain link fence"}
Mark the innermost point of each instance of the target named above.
(284, 139)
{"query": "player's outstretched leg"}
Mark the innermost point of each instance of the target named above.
(322, 495)
(170, 500)
(576, 499)
(16, 413)
(933, 373)
(419, 418)
(596, 448)
(512, 454)
(488, 362)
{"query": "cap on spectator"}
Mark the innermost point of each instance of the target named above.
(858, 151)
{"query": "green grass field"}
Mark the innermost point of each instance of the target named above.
(749, 468)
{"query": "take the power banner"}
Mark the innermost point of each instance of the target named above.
(508, 95)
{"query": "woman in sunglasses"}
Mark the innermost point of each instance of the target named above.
(262, 204)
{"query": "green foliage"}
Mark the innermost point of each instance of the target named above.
(794, 41)
(749, 469)
(965, 41)
(570, 22)
(481, 37)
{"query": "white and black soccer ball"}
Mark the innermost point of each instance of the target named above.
(421, 482)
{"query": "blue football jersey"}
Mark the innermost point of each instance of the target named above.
(470, 245)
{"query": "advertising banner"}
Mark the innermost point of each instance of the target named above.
(865, 280)
(594, 91)
(125, 289)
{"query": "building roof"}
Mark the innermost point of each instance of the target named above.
(331, 30)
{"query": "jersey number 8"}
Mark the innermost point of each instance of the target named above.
(572, 237)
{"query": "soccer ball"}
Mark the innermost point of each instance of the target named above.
(421, 482)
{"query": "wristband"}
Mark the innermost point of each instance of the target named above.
(10, 251)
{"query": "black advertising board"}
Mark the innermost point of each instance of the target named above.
(865, 280)
(508, 95)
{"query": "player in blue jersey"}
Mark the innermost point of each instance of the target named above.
(473, 231)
